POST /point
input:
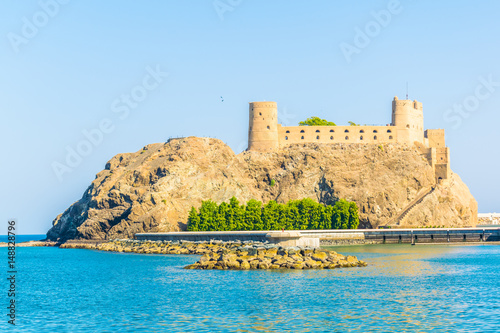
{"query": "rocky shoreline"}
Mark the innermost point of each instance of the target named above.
(231, 255)
(31, 244)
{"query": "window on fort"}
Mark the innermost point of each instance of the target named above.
(332, 131)
(302, 131)
(260, 113)
(317, 137)
(288, 131)
(317, 131)
(389, 131)
(302, 137)
(407, 125)
(375, 137)
(347, 138)
(361, 138)
(362, 131)
(286, 138)
(390, 137)
(375, 131)
(331, 138)
(346, 131)
(268, 127)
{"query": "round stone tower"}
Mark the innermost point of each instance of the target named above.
(263, 126)
(408, 117)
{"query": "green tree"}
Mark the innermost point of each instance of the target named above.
(316, 121)
(353, 216)
(306, 210)
(351, 123)
(316, 214)
(208, 214)
(293, 214)
(193, 220)
(253, 213)
(233, 215)
(222, 217)
(336, 222)
(270, 216)
(343, 213)
(326, 218)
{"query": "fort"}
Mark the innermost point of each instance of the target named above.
(406, 127)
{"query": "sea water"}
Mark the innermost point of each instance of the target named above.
(422, 288)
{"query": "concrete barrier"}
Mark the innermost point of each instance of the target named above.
(282, 238)
(315, 238)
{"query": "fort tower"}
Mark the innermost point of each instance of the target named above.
(408, 118)
(263, 126)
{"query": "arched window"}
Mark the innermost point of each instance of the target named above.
(390, 137)
(302, 131)
(389, 131)
(302, 137)
(375, 137)
(260, 113)
(317, 131)
(268, 127)
(347, 138)
(331, 138)
(332, 131)
(286, 138)
(362, 131)
(288, 131)
(361, 138)
(346, 131)
(375, 131)
(317, 137)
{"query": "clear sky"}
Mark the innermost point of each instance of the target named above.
(68, 69)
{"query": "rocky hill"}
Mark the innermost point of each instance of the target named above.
(154, 188)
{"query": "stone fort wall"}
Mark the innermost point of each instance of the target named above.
(337, 134)
(407, 127)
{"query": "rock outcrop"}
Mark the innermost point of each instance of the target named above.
(154, 188)
(245, 258)
(230, 255)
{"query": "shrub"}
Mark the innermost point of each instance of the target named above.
(316, 121)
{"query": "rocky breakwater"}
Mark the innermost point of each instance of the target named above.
(231, 255)
(246, 257)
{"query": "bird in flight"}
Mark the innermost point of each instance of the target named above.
(222, 99)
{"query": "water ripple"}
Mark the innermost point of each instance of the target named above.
(404, 289)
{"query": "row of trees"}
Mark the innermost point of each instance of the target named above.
(294, 215)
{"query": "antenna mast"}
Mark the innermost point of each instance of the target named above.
(406, 89)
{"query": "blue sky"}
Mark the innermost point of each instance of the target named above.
(66, 67)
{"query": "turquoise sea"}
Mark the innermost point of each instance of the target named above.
(423, 288)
